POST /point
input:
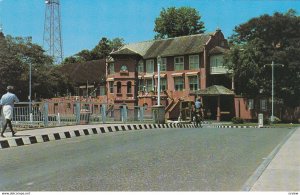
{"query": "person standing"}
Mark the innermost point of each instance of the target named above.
(7, 102)
(198, 112)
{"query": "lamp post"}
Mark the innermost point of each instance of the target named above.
(158, 79)
(29, 96)
(272, 65)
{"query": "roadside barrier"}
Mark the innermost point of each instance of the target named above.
(28, 140)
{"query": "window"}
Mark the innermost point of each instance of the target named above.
(141, 85)
(140, 66)
(178, 63)
(128, 87)
(111, 68)
(102, 90)
(119, 87)
(194, 62)
(250, 104)
(193, 83)
(263, 105)
(217, 65)
(111, 87)
(149, 85)
(163, 84)
(150, 66)
(163, 66)
(179, 83)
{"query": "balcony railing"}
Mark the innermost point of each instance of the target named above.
(219, 70)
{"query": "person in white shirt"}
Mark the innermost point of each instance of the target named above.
(7, 102)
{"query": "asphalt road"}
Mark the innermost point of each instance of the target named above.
(144, 160)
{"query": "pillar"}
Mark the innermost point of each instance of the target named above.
(218, 110)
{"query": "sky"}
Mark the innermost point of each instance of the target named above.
(85, 22)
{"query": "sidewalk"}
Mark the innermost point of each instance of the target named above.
(283, 172)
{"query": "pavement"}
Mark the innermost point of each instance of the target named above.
(279, 172)
(283, 171)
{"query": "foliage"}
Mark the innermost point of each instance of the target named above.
(276, 120)
(259, 42)
(16, 55)
(100, 51)
(175, 22)
(267, 121)
(237, 120)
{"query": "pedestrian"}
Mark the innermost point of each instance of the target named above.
(198, 104)
(198, 112)
(7, 103)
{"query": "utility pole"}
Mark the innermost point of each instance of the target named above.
(158, 80)
(272, 65)
(52, 40)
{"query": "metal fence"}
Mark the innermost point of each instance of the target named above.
(47, 114)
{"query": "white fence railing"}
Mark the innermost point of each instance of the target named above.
(45, 114)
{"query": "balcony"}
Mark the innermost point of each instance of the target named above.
(219, 70)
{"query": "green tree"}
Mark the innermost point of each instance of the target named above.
(175, 22)
(16, 56)
(260, 41)
(100, 51)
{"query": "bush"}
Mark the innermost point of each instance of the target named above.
(237, 120)
(276, 120)
(267, 121)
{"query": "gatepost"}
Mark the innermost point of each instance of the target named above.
(124, 113)
(103, 113)
(158, 113)
(45, 114)
(77, 112)
(141, 113)
(260, 120)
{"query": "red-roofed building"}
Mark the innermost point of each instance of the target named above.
(189, 64)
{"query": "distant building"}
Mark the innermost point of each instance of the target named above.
(88, 77)
(191, 67)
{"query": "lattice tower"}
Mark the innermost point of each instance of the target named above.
(52, 40)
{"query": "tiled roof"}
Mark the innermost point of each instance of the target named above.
(125, 51)
(214, 91)
(166, 47)
(80, 73)
(217, 50)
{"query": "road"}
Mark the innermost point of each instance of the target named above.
(141, 160)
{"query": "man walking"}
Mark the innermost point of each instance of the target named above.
(7, 102)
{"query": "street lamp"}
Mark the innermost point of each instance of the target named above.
(272, 65)
(158, 79)
(29, 97)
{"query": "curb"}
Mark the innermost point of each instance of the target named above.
(22, 141)
(236, 126)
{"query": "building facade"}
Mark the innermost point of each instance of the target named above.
(188, 64)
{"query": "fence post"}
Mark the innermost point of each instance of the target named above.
(31, 118)
(142, 110)
(58, 118)
(45, 113)
(77, 113)
(125, 113)
(103, 113)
